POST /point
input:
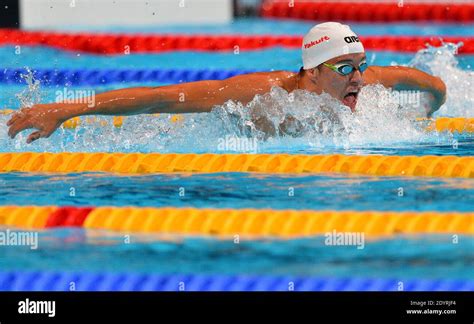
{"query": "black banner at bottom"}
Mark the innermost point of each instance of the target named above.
(429, 307)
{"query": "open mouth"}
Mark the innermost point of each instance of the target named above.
(350, 99)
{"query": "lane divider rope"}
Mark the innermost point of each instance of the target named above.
(144, 163)
(107, 281)
(452, 124)
(369, 11)
(244, 222)
(122, 44)
(68, 77)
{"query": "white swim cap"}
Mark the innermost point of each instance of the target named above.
(329, 40)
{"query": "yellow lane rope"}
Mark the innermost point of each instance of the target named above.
(247, 222)
(428, 165)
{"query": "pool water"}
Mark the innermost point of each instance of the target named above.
(427, 257)
(376, 129)
(240, 190)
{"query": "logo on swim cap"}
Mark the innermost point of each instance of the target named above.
(351, 39)
(326, 41)
(312, 43)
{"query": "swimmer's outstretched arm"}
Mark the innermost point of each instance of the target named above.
(405, 78)
(190, 97)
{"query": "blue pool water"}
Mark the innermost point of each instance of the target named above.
(429, 257)
(231, 190)
(376, 129)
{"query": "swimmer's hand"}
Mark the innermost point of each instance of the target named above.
(46, 118)
(291, 126)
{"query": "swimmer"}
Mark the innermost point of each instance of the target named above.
(334, 62)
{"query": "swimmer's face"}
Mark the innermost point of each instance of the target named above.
(345, 88)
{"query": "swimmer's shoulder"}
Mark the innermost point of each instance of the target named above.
(266, 80)
(276, 77)
(283, 79)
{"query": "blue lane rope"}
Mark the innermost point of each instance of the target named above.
(67, 281)
(67, 77)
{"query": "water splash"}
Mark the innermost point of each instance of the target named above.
(442, 62)
(321, 121)
(31, 95)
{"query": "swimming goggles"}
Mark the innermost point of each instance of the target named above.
(346, 68)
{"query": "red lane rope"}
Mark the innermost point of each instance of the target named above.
(368, 12)
(68, 216)
(120, 44)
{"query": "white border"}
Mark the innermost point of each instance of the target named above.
(66, 13)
